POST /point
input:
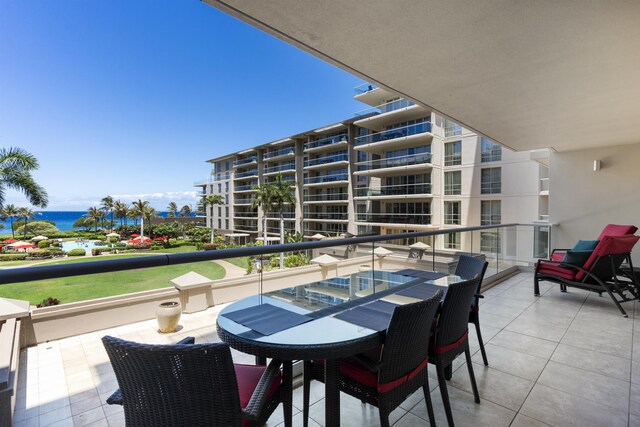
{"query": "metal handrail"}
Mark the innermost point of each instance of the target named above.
(28, 274)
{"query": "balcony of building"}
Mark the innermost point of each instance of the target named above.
(326, 198)
(326, 216)
(390, 112)
(396, 138)
(283, 168)
(245, 161)
(245, 174)
(244, 188)
(420, 220)
(331, 179)
(394, 192)
(243, 201)
(544, 186)
(399, 165)
(280, 154)
(371, 94)
(331, 143)
(245, 214)
(327, 161)
(245, 225)
(287, 215)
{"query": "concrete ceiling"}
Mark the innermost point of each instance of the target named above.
(562, 74)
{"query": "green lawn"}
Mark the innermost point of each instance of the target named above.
(79, 288)
(239, 262)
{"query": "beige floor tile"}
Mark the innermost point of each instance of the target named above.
(89, 418)
(512, 362)
(54, 416)
(524, 421)
(558, 408)
(354, 413)
(588, 385)
(594, 361)
(603, 343)
(539, 329)
(524, 344)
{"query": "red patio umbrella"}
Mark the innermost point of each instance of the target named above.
(135, 235)
(8, 241)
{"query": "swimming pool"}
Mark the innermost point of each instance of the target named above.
(87, 245)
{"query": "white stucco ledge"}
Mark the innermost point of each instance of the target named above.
(13, 308)
(195, 291)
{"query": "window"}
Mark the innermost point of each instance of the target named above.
(226, 186)
(226, 164)
(452, 128)
(490, 181)
(452, 241)
(219, 223)
(226, 199)
(490, 151)
(490, 212)
(219, 188)
(226, 211)
(453, 153)
(452, 183)
(226, 224)
(219, 210)
(452, 213)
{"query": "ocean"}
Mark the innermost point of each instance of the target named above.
(64, 219)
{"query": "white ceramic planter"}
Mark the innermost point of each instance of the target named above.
(168, 316)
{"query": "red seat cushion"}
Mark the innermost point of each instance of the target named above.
(555, 270)
(248, 377)
(557, 256)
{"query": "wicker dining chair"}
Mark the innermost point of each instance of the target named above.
(469, 267)
(400, 368)
(170, 385)
(451, 337)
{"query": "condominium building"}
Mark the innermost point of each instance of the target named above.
(394, 167)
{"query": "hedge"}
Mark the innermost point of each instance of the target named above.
(76, 252)
(13, 257)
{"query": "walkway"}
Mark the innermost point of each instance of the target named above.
(560, 359)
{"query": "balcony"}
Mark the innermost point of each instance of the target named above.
(327, 160)
(391, 218)
(339, 178)
(246, 201)
(364, 88)
(326, 216)
(544, 186)
(289, 166)
(386, 107)
(394, 165)
(245, 161)
(246, 226)
(285, 215)
(399, 191)
(398, 138)
(283, 152)
(242, 214)
(252, 172)
(326, 143)
(241, 188)
(324, 198)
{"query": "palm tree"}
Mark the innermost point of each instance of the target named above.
(209, 201)
(142, 209)
(11, 212)
(283, 195)
(264, 201)
(121, 209)
(108, 205)
(132, 214)
(27, 214)
(185, 210)
(94, 214)
(172, 209)
(16, 165)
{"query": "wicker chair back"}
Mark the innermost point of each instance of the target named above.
(454, 317)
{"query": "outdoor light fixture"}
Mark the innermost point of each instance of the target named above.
(596, 165)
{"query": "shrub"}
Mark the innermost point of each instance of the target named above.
(44, 244)
(55, 244)
(76, 252)
(48, 302)
(98, 251)
(39, 253)
(13, 257)
(199, 246)
(209, 246)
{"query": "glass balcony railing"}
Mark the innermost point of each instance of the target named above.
(452, 219)
(364, 88)
(246, 201)
(326, 141)
(394, 190)
(390, 218)
(392, 162)
(252, 172)
(285, 215)
(244, 187)
(281, 152)
(242, 214)
(327, 178)
(245, 161)
(325, 197)
(244, 226)
(327, 159)
(386, 107)
(280, 168)
(339, 216)
(285, 178)
(390, 134)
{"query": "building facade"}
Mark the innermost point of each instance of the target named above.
(394, 167)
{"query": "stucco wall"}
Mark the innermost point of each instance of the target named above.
(582, 201)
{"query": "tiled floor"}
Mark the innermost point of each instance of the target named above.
(561, 359)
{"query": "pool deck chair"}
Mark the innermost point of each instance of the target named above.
(600, 272)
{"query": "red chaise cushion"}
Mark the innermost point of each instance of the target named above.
(248, 377)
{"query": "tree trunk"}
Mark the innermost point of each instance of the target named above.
(281, 239)
(211, 217)
(13, 234)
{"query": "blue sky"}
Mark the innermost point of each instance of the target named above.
(129, 98)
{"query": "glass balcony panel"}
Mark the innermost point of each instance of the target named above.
(394, 190)
(279, 168)
(386, 107)
(364, 88)
(392, 162)
(327, 159)
(394, 218)
(323, 197)
(278, 153)
(326, 141)
(252, 172)
(245, 161)
(327, 178)
(387, 135)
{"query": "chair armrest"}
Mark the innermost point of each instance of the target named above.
(372, 365)
(116, 397)
(478, 295)
(254, 407)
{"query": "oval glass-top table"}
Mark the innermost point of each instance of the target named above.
(329, 319)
